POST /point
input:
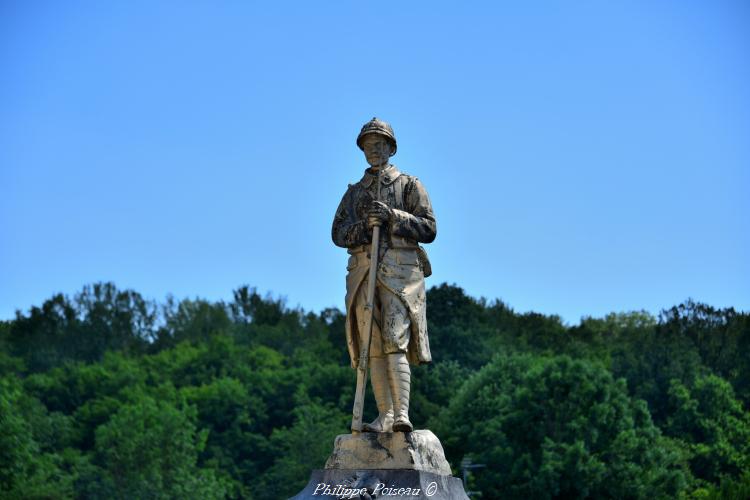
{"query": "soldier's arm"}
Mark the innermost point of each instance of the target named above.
(347, 231)
(417, 222)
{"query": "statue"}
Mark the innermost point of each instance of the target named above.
(381, 221)
(386, 215)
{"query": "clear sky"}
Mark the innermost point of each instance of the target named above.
(581, 157)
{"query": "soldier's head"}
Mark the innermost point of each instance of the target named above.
(377, 141)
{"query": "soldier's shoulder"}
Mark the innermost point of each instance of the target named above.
(406, 176)
(354, 186)
(353, 189)
(358, 183)
(410, 180)
(402, 173)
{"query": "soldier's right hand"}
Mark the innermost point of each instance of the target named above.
(372, 222)
(378, 214)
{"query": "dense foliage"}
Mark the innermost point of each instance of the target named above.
(109, 395)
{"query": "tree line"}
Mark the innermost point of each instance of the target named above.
(108, 395)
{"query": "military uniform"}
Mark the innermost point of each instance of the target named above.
(400, 323)
(399, 204)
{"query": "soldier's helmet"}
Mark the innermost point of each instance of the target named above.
(377, 126)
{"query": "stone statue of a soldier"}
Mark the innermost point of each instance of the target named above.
(399, 322)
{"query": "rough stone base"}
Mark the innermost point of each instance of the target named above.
(418, 450)
(385, 465)
(381, 483)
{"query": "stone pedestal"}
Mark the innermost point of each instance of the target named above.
(418, 450)
(385, 465)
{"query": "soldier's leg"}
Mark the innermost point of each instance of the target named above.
(378, 366)
(399, 377)
(382, 391)
(396, 330)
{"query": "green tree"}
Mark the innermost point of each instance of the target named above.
(192, 320)
(707, 416)
(101, 318)
(553, 427)
(149, 449)
(235, 418)
(721, 337)
(298, 449)
(25, 471)
(433, 387)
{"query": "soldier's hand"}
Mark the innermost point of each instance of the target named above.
(378, 214)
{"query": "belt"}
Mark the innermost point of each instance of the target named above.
(396, 242)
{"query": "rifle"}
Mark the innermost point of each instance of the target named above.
(364, 351)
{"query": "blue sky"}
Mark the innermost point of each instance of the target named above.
(582, 157)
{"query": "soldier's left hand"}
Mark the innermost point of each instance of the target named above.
(378, 214)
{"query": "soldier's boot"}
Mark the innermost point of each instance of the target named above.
(379, 377)
(399, 376)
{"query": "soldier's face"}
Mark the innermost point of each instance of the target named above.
(377, 149)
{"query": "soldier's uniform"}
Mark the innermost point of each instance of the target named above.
(399, 324)
(400, 286)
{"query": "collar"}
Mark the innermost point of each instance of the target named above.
(390, 174)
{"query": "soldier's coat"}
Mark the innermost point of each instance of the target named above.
(399, 268)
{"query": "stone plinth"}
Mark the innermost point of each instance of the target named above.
(385, 465)
(418, 450)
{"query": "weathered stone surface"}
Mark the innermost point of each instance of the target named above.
(381, 221)
(419, 450)
(383, 483)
